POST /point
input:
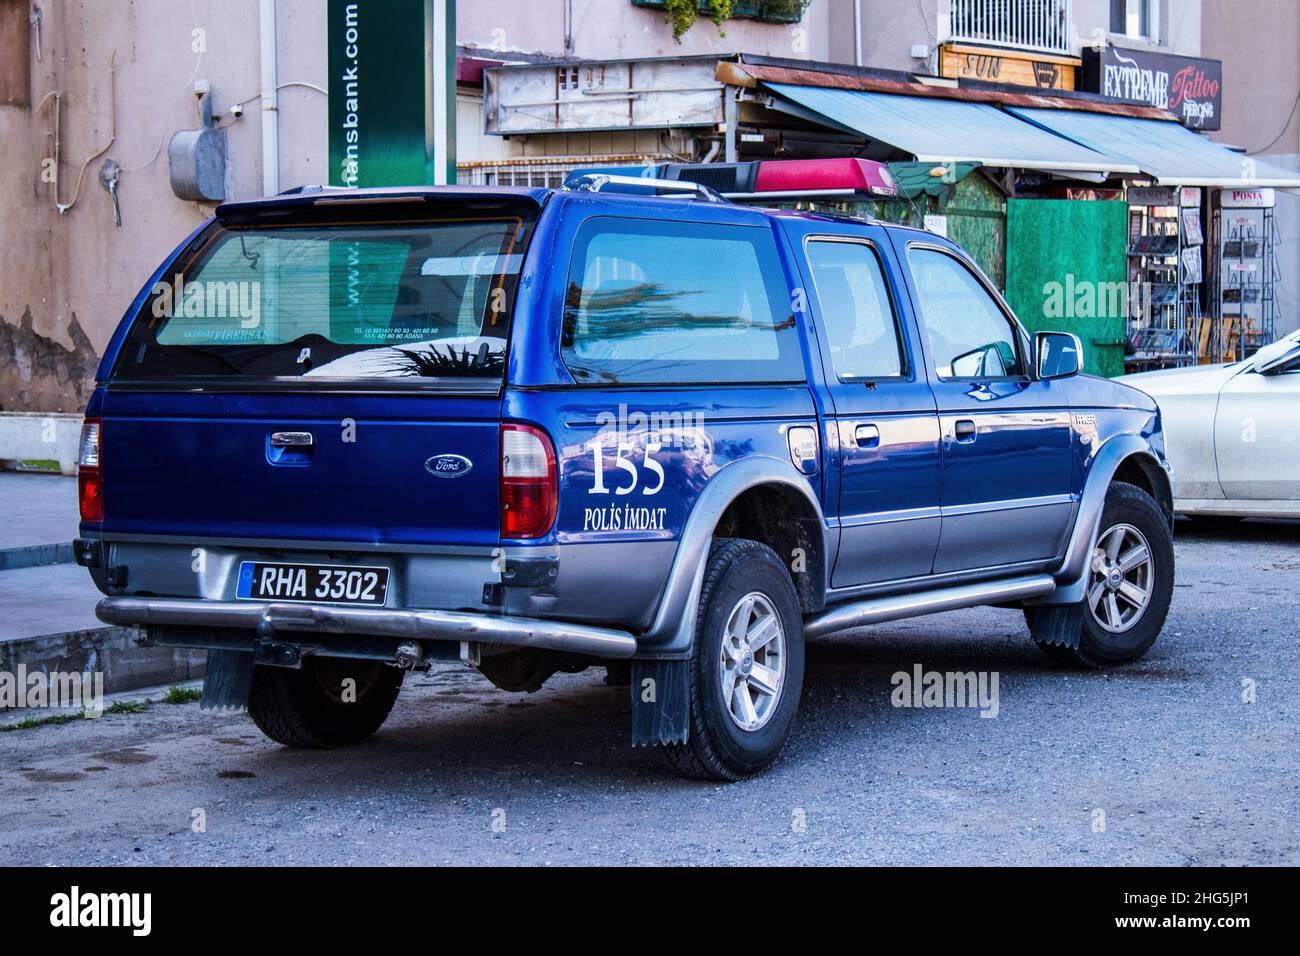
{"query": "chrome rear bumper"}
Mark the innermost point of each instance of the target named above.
(267, 619)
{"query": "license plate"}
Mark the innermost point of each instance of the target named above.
(315, 583)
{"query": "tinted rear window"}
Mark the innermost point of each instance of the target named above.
(418, 301)
(669, 302)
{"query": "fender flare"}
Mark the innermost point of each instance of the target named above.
(673, 630)
(1072, 576)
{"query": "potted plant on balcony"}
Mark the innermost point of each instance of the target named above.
(682, 14)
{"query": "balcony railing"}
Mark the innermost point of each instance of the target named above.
(1038, 25)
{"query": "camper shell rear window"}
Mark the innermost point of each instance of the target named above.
(423, 302)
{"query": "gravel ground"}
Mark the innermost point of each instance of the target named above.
(1183, 769)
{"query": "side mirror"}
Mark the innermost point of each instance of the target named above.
(1273, 357)
(1057, 354)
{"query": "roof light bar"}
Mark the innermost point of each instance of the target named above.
(756, 181)
(857, 175)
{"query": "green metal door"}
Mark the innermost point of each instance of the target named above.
(1066, 271)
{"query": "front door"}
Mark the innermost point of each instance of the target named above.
(1256, 442)
(1007, 473)
(883, 418)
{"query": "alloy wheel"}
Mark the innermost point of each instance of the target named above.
(1119, 587)
(752, 661)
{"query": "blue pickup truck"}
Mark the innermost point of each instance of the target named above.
(340, 435)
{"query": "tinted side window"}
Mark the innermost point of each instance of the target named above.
(970, 336)
(856, 310)
(651, 302)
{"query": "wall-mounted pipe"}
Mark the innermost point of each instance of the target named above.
(58, 135)
(270, 101)
(857, 32)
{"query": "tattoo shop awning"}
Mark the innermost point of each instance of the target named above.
(1171, 153)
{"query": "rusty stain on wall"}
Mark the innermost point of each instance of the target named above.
(41, 374)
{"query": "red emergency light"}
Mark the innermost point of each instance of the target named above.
(812, 176)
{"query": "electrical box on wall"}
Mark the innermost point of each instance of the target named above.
(196, 158)
(197, 162)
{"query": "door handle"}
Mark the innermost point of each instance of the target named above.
(867, 436)
(964, 430)
(289, 448)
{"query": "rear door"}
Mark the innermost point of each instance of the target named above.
(883, 412)
(1007, 472)
(328, 374)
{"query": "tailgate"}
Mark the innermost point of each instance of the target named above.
(417, 469)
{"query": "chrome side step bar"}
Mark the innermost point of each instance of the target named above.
(266, 619)
(877, 610)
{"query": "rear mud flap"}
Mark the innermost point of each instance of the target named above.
(661, 702)
(227, 680)
(1059, 624)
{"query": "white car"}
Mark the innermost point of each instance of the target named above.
(1232, 432)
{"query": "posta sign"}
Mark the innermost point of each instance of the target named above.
(1189, 87)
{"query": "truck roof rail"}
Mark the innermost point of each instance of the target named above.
(596, 182)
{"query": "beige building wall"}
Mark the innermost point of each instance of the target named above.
(1260, 50)
(65, 279)
(614, 29)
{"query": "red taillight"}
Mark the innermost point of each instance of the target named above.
(90, 483)
(529, 483)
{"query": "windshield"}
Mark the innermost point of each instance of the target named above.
(410, 301)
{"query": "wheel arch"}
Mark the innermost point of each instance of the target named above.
(1125, 457)
(763, 495)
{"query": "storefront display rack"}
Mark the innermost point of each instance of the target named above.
(1164, 276)
(1244, 283)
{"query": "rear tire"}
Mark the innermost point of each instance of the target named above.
(1130, 585)
(310, 707)
(746, 666)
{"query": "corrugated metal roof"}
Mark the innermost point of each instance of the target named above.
(749, 74)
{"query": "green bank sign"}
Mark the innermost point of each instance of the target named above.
(387, 126)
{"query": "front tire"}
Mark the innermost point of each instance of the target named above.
(316, 707)
(1130, 585)
(746, 666)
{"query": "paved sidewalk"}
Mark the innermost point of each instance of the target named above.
(47, 603)
(41, 591)
(56, 599)
(38, 519)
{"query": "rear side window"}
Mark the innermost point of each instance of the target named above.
(856, 310)
(675, 302)
(419, 301)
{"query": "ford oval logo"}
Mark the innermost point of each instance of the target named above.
(448, 466)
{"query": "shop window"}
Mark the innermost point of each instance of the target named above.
(15, 54)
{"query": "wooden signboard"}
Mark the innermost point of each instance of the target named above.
(997, 65)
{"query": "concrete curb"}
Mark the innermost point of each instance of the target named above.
(41, 436)
(110, 650)
(35, 556)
